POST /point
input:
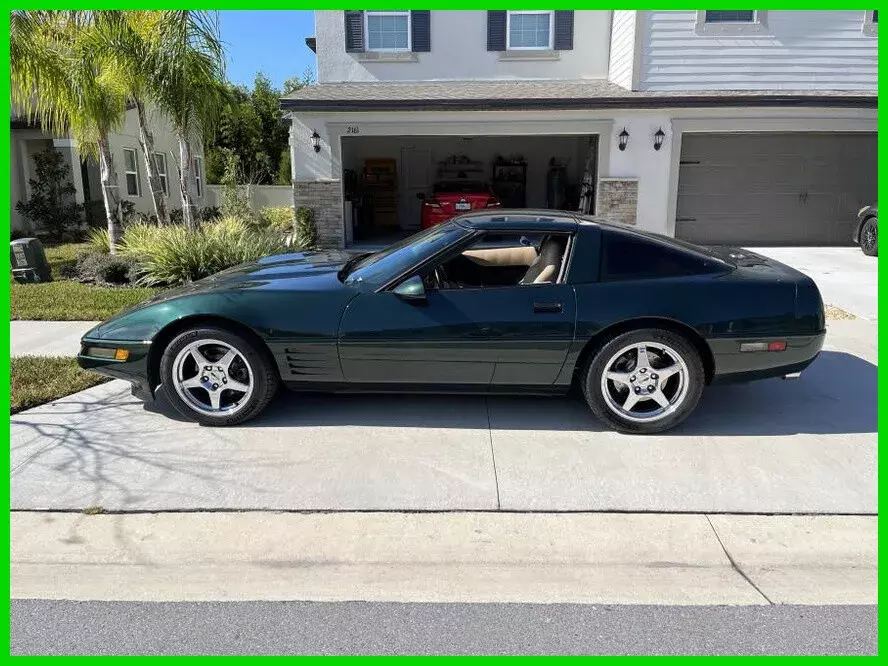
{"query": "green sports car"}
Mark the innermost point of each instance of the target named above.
(495, 301)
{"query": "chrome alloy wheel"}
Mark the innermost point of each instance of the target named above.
(645, 382)
(213, 377)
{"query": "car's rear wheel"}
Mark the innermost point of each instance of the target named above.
(644, 381)
(216, 377)
(869, 237)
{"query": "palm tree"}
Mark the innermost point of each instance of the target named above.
(191, 93)
(129, 40)
(58, 77)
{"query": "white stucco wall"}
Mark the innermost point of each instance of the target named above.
(793, 50)
(459, 52)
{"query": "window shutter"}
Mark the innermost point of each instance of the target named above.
(354, 31)
(496, 31)
(564, 30)
(421, 29)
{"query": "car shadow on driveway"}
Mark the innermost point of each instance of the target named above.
(836, 395)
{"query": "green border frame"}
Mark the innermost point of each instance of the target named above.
(451, 4)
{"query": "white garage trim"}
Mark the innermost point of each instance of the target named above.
(788, 124)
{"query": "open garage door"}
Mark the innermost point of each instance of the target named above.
(388, 179)
(774, 188)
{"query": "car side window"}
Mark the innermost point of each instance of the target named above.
(626, 257)
(502, 259)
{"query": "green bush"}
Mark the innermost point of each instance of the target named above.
(305, 231)
(99, 240)
(176, 254)
(106, 269)
(277, 218)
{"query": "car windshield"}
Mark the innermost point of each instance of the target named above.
(382, 266)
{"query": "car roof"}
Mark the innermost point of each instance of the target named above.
(519, 218)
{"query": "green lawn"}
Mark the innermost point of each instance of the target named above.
(65, 300)
(35, 380)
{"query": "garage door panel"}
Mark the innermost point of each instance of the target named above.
(800, 188)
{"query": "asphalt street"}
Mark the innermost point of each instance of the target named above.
(105, 628)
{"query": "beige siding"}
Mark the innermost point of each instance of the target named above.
(795, 50)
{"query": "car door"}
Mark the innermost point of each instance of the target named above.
(515, 335)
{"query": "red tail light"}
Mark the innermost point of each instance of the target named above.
(493, 203)
(431, 203)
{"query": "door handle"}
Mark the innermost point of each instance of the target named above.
(551, 306)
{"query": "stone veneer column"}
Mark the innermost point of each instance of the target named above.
(324, 199)
(618, 199)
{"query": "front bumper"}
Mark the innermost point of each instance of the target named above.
(135, 369)
(733, 365)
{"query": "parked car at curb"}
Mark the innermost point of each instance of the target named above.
(866, 231)
(452, 198)
(512, 301)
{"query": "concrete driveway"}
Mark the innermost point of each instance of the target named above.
(846, 277)
(808, 446)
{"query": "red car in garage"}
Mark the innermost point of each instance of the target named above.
(452, 198)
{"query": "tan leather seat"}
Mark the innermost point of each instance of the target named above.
(506, 256)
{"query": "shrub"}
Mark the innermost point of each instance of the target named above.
(99, 240)
(176, 254)
(208, 213)
(234, 203)
(106, 268)
(305, 231)
(277, 218)
(51, 206)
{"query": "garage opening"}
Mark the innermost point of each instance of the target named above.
(774, 188)
(392, 184)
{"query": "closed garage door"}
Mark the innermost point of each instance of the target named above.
(760, 189)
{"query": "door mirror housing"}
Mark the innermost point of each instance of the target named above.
(411, 289)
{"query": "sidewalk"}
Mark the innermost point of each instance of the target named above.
(47, 338)
(665, 559)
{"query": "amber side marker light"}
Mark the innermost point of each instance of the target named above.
(774, 345)
(121, 354)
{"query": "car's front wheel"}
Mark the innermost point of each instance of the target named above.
(869, 237)
(644, 381)
(216, 377)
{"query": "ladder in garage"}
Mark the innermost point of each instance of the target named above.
(587, 189)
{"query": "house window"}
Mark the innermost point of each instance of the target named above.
(529, 30)
(387, 30)
(198, 175)
(871, 22)
(131, 173)
(729, 22)
(730, 16)
(160, 164)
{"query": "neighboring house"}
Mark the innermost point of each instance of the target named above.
(26, 140)
(745, 126)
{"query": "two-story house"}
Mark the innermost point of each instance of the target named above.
(745, 126)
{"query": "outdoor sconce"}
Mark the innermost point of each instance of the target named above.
(658, 138)
(624, 139)
(316, 141)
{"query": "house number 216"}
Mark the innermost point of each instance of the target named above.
(352, 129)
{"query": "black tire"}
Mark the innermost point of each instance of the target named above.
(869, 237)
(265, 379)
(683, 406)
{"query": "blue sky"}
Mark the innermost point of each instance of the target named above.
(270, 41)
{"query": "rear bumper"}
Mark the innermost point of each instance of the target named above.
(733, 365)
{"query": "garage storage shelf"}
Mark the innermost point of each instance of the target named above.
(381, 185)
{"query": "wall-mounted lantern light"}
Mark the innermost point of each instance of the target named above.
(316, 141)
(624, 139)
(659, 135)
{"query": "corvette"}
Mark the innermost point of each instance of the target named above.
(492, 301)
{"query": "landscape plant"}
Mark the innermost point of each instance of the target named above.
(305, 231)
(51, 206)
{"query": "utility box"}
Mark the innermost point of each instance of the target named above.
(29, 262)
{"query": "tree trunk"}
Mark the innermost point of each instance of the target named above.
(146, 139)
(188, 213)
(110, 192)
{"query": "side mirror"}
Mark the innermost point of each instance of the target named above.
(411, 289)
(420, 195)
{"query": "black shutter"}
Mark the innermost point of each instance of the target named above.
(421, 30)
(564, 30)
(496, 31)
(354, 31)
